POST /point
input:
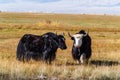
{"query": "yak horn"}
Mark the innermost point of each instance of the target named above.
(69, 34)
(85, 34)
(63, 33)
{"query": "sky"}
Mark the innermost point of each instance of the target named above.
(62, 6)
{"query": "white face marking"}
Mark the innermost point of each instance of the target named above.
(78, 40)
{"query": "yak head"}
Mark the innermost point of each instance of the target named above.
(57, 41)
(78, 38)
(61, 42)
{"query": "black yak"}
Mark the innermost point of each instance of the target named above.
(42, 47)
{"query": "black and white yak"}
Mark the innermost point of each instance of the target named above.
(81, 49)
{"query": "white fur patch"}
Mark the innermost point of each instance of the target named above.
(83, 58)
(78, 40)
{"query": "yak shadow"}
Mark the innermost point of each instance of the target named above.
(104, 63)
(94, 62)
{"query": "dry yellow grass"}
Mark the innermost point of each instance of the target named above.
(104, 31)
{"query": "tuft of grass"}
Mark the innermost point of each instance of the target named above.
(48, 23)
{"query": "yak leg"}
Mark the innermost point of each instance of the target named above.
(78, 61)
(45, 56)
(51, 57)
(28, 56)
(23, 58)
(19, 57)
(83, 59)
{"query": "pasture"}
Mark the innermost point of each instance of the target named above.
(104, 30)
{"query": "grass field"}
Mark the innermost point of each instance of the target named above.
(103, 29)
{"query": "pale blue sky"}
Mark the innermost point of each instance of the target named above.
(62, 6)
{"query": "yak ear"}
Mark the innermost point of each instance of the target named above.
(72, 38)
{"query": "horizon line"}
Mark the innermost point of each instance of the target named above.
(37, 12)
